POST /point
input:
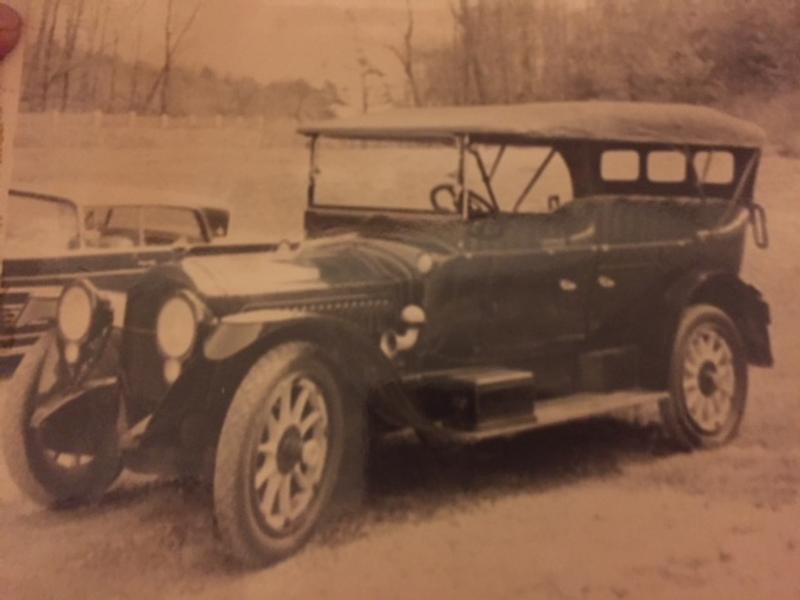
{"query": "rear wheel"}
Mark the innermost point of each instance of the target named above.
(282, 453)
(48, 474)
(708, 380)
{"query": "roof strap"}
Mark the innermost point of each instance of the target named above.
(497, 160)
(485, 176)
(534, 179)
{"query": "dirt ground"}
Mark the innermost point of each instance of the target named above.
(594, 510)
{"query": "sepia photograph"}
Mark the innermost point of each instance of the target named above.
(388, 299)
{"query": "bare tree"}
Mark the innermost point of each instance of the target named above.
(112, 79)
(136, 68)
(407, 57)
(97, 53)
(368, 72)
(49, 47)
(469, 20)
(74, 20)
(172, 42)
(39, 42)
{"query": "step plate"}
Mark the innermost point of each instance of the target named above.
(476, 379)
(563, 410)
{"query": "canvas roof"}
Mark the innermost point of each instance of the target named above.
(638, 122)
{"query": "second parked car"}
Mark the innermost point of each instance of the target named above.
(109, 235)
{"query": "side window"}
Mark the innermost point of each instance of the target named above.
(619, 165)
(666, 166)
(168, 225)
(716, 167)
(111, 226)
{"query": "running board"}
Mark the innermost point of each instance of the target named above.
(561, 410)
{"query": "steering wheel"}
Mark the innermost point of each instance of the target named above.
(477, 203)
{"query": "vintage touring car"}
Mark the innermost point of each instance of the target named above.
(468, 273)
(109, 234)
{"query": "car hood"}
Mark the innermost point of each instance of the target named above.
(342, 267)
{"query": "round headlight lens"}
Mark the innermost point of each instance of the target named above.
(425, 263)
(75, 310)
(176, 327)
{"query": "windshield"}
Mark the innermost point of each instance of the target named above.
(40, 226)
(424, 177)
(381, 175)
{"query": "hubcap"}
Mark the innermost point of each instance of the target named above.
(290, 450)
(291, 455)
(708, 379)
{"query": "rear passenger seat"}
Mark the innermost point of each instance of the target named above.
(638, 219)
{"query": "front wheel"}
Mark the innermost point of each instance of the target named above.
(282, 453)
(53, 472)
(708, 380)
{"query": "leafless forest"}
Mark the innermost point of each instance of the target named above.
(725, 52)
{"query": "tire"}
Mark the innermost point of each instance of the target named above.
(281, 469)
(707, 380)
(41, 473)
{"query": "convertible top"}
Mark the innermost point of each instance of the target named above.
(638, 122)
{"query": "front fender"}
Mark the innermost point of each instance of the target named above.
(238, 332)
(252, 333)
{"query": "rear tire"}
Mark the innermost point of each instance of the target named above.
(707, 380)
(289, 442)
(42, 474)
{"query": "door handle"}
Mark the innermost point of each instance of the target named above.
(567, 285)
(604, 281)
(147, 262)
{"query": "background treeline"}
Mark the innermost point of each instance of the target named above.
(706, 51)
(86, 55)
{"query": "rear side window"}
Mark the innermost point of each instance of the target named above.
(666, 166)
(619, 165)
(167, 225)
(111, 226)
(714, 167)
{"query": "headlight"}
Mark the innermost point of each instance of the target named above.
(176, 327)
(425, 263)
(76, 310)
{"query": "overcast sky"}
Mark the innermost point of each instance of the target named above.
(287, 39)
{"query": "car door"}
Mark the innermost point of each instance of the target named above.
(538, 282)
(646, 243)
(644, 240)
